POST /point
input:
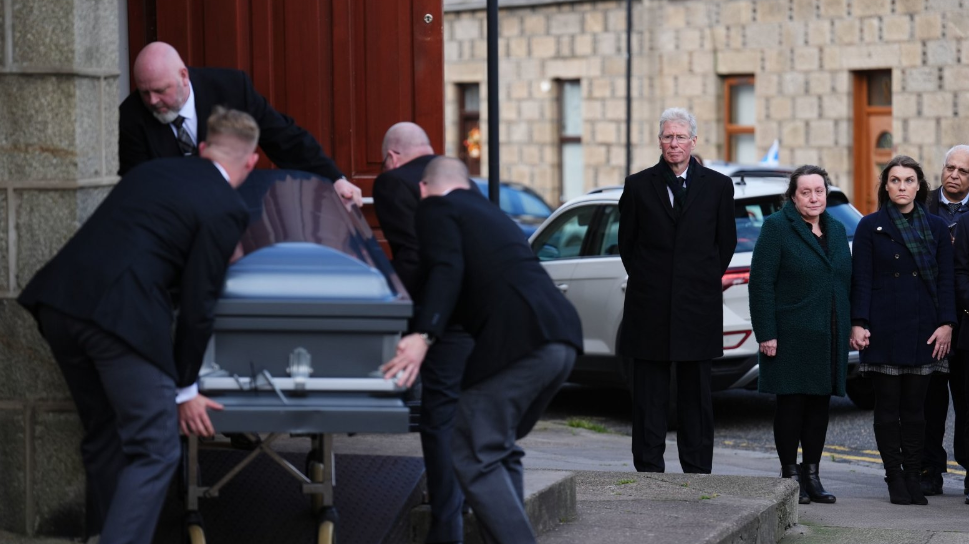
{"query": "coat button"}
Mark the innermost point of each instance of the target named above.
(914, 273)
(896, 255)
(896, 274)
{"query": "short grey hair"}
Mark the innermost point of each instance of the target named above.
(680, 115)
(954, 149)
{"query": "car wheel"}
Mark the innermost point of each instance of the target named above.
(861, 392)
(627, 378)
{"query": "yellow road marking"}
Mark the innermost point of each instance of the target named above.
(879, 461)
(837, 455)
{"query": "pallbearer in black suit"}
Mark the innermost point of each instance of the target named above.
(396, 195)
(481, 272)
(160, 241)
(676, 236)
(161, 117)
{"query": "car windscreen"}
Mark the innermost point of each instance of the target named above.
(750, 214)
(534, 206)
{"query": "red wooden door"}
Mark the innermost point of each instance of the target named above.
(345, 70)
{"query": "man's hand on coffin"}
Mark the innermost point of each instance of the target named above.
(406, 365)
(349, 192)
(193, 417)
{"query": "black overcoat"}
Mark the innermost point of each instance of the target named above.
(675, 261)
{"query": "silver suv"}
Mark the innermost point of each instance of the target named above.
(578, 246)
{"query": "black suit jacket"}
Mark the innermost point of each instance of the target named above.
(142, 137)
(675, 261)
(166, 230)
(396, 194)
(481, 269)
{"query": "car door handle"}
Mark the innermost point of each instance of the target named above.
(623, 287)
(564, 287)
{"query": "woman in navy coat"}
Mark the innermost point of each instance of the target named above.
(902, 311)
(800, 275)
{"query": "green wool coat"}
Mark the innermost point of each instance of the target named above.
(793, 285)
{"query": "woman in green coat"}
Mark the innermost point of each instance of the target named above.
(800, 275)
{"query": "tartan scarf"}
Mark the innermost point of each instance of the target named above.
(918, 239)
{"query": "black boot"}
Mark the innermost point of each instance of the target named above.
(913, 441)
(931, 481)
(888, 436)
(792, 472)
(812, 483)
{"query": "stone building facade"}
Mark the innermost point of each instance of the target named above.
(809, 61)
(58, 156)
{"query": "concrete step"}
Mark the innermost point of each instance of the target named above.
(550, 499)
(622, 508)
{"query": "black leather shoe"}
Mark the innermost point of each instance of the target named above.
(931, 482)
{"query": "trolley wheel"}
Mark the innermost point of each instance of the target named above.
(195, 534)
(326, 530)
(316, 475)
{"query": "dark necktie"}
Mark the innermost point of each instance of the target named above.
(954, 207)
(185, 143)
(679, 193)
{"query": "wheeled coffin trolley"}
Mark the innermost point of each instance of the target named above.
(301, 329)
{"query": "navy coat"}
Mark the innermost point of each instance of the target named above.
(796, 289)
(887, 291)
(161, 239)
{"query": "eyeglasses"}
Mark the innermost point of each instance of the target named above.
(908, 182)
(680, 138)
(950, 168)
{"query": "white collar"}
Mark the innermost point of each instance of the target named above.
(188, 108)
(947, 201)
(221, 170)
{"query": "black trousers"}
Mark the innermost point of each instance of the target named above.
(937, 409)
(441, 387)
(651, 403)
(127, 406)
(801, 419)
(491, 416)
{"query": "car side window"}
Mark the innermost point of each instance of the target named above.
(750, 215)
(605, 240)
(564, 237)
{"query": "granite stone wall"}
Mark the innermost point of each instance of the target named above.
(58, 159)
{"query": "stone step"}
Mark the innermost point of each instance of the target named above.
(549, 501)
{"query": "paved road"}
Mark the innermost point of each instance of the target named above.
(744, 421)
(744, 440)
